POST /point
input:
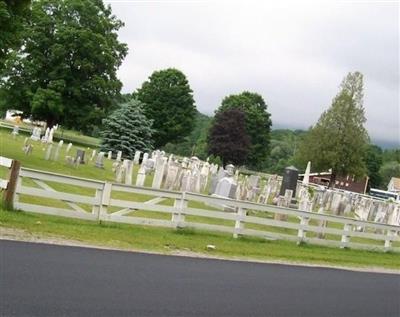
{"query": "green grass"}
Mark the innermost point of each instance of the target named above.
(132, 237)
(60, 134)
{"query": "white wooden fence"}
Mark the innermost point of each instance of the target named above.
(37, 191)
(4, 162)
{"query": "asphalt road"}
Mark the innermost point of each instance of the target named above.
(48, 280)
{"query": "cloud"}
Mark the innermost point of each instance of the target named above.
(295, 53)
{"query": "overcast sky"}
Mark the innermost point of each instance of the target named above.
(294, 54)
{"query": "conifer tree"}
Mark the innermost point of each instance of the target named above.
(338, 140)
(127, 129)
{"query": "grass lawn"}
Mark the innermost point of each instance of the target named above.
(132, 237)
(60, 134)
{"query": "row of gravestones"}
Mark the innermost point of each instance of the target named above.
(36, 134)
(192, 175)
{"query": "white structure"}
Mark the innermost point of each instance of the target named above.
(394, 185)
(11, 114)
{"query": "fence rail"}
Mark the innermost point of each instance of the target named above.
(96, 200)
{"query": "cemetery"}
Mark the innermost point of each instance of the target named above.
(160, 189)
(199, 158)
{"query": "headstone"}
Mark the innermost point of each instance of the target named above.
(335, 205)
(136, 158)
(172, 174)
(109, 155)
(15, 131)
(119, 156)
(186, 179)
(128, 170)
(159, 173)
(205, 171)
(81, 155)
(69, 160)
(195, 185)
(254, 181)
(289, 180)
(141, 176)
(77, 161)
(50, 137)
(46, 135)
(36, 133)
(381, 212)
(226, 187)
(100, 160)
(69, 146)
(213, 184)
(362, 209)
(48, 152)
(58, 148)
(119, 170)
(28, 149)
(145, 158)
(221, 173)
(150, 165)
(93, 155)
(394, 216)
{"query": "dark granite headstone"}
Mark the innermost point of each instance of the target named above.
(289, 180)
(81, 154)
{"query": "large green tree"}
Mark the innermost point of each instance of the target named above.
(13, 15)
(228, 138)
(195, 144)
(339, 139)
(283, 146)
(170, 104)
(127, 129)
(65, 71)
(373, 161)
(258, 124)
(388, 170)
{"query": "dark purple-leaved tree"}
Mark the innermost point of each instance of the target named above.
(228, 138)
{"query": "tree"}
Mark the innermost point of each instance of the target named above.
(127, 129)
(283, 145)
(338, 140)
(65, 71)
(389, 170)
(169, 102)
(373, 161)
(195, 144)
(258, 124)
(228, 138)
(13, 15)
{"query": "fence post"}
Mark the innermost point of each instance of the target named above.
(178, 218)
(98, 196)
(301, 234)
(8, 195)
(345, 238)
(241, 214)
(388, 241)
(104, 201)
